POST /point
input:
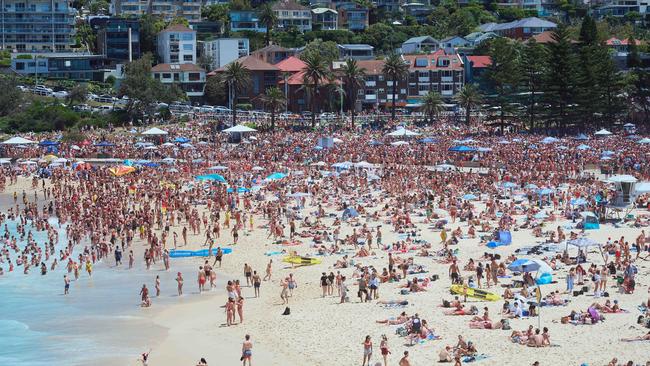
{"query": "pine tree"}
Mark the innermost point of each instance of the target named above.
(560, 78)
(504, 73)
(534, 63)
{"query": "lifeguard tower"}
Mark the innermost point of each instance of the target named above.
(623, 201)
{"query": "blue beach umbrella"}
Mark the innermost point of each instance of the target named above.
(211, 177)
(469, 197)
(276, 176)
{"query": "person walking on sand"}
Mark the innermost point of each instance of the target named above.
(269, 268)
(247, 350)
(284, 295)
(240, 309)
(157, 286)
(367, 351)
(383, 346)
(179, 281)
(256, 283)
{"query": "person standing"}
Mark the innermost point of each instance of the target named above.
(179, 281)
(284, 295)
(383, 346)
(404, 361)
(247, 350)
(367, 350)
(157, 286)
(66, 282)
(256, 283)
(570, 278)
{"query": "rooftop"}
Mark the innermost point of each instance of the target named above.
(479, 61)
(521, 23)
(291, 64)
(288, 5)
(252, 63)
(176, 68)
(177, 28)
(420, 39)
(357, 46)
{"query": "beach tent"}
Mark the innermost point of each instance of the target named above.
(155, 131)
(18, 141)
(349, 212)
(211, 177)
(469, 197)
(48, 143)
(462, 148)
(530, 265)
(181, 140)
(549, 140)
(581, 137)
(590, 220)
(644, 141)
(276, 176)
(239, 129)
(602, 132)
(403, 132)
(505, 238)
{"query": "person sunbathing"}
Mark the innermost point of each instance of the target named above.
(363, 252)
(400, 319)
(521, 337)
(608, 307)
(485, 324)
(485, 317)
(508, 294)
(645, 337)
(459, 309)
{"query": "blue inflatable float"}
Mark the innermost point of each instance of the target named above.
(544, 279)
(196, 253)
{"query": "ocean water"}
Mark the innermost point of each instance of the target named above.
(99, 322)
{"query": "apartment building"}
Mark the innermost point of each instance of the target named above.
(177, 45)
(225, 50)
(167, 9)
(291, 14)
(37, 25)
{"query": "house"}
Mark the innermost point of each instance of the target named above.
(245, 20)
(274, 54)
(263, 76)
(477, 38)
(418, 10)
(166, 9)
(389, 6)
(324, 19)
(223, 51)
(375, 89)
(356, 51)
(64, 65)
(291, 14)
(420, 44)
(291, 81)
(438, 71)
(543, 8)
(450, 44)
(475, 68)
(177, 45)
(619, 8)
(621, 45)
(519, 29)
(353, 16)
(189, 77)
(117, 38)
(37, 25)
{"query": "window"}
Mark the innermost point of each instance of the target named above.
(20, 66)
(177, 76)
(156, 76)
(31, 64)
(173, 58)
(194, 76)
(443, 62)
(188, 47)
(188, 36)
(423, 87)
(421, 62)
(189, 58)
(166, 75)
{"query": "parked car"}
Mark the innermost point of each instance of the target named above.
(105, 99)
(60, 94)
(103, 109)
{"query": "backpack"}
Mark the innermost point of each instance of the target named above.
(287, 311)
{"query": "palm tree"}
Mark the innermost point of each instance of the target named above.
(432, 104)
(353, 78)
(267, 17)
(237, 77)
(316, 71)
(274, 99)
(469, 98)
(395, 69)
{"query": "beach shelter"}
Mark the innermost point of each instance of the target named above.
(544, 271)
(602, 132)
(403, 132)
(462, 148)
(121, 170)
(469, 197)
(590, 220)
(181, 140)
(644, 141)
(349, 212)
(18, 141)
(48, 143)
(155, 131)
(276, 176)
(239, 129)
(211, 177)
(505, 238)
(549, 140)
(581, 137)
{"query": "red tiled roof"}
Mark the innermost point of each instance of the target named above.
(176, 67)
(291, 64)
(455, 62)
(252, 63)
(177, 28)
(545, 38)
(622, 42)
(372, 67)
(480, 61)
(298, 79)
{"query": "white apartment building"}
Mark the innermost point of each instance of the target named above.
(177, 45)
(225, 50)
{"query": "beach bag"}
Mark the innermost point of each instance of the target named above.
(473, 310)
(287, 311)
(401, 331)
(505, 324)
(404, 292)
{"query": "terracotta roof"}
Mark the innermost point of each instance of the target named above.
(176, 67)
(480, 61)
(433, 61)
(545, 38)
(299, 77)
(291, 64)
(373, 67)
(252, 63)
(288, 5)
(621, 42)
(177, 28)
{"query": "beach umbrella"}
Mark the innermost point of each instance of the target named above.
(257, 168)
(469, 197)
(544, 191)
(4, 161)
(121, 170)
(60, 160)
(172, 170)
(602, 132)
(623, 178)
(187, 145)
(364, 165)
(337, 140)
(586, 214)
(104, 144)
(168, 160)
(581, 137)
(644, 141)
(320, 163)
(403, 132)
(582, 242)
(239, 190)
(151, 148)
(444, 167)
(549, 140)
(48, 143)
(75, 147)
(508, 185)
(18, 141)
(531, 186)
(155, 131)
(181, 140)
(276, 176)
(211, 177)
(28, 162)
(399, 143)
(504, 142)
(239, 129)
(375, 143)
(343, 165)
(218, 167)
(530, 265)
(483, 149)
(427, 140)
(583, 147)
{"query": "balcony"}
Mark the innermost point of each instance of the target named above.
(423, 92)
(447, 79)
(447, 93)
(371, 97)
(423, 79)
(371, 83)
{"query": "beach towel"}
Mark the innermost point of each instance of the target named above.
(476, 358)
